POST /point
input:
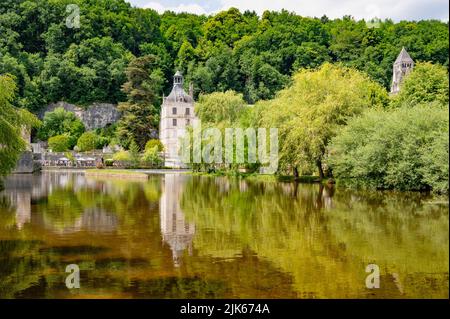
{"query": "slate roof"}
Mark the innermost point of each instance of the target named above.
(403, 57)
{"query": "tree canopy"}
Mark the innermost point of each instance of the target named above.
(310, 111)
(230, 50)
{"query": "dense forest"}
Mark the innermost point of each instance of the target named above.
(231, 50)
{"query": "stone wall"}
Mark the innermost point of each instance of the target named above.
(96, 115)
(25, 164)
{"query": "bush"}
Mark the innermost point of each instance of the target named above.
(124, 159)
(122, 156)
(152, 143)
(59, 143)
(405, 148)
(87, 142)
(109, 162)
(151, 158)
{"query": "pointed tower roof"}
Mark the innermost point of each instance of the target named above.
(403, 57)
(178, 94)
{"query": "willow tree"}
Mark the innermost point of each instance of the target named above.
(310, 111)
(12, 122)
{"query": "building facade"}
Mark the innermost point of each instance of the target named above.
(177, 113)
(402, 66)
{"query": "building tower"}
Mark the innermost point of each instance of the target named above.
(177, 113)
(402, 66)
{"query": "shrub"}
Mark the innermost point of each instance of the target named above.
(124, 159)
(109, 162)
(87, 142)
(122, 156)
(151, 157)
(59, 143)
(404, 148)
(152, 143)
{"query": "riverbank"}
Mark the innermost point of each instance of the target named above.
(131, 173)
(115, 174)
(307, 179)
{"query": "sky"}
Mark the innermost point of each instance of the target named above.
(360, 9)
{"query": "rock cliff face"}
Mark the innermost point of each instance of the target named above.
(96, 115)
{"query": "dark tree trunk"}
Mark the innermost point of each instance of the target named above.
(320, 168)
(296, 175)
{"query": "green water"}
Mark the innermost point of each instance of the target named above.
(181, 236)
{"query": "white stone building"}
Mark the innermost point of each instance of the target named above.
(177, 113)
(402, 66)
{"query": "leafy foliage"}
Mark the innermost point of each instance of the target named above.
(151, 157)
(87, 141)
(310, 112)
(230, 50)
(12, 122)
(140, 114)
(426, 83)
(404, 148)
(59, 143)
(59, 122)
(154, 143)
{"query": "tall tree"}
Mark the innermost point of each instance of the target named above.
(309, 113)
(141, 111)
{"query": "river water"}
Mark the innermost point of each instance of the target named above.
(182, 236)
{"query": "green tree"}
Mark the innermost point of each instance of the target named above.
(310, 112)
(403, 148)
(140, 113)
(151, 157)
(426, 83)
(59, 122)
(87, 141)
(152, 143)
(220, 107)
(59, 143)
(12, 122)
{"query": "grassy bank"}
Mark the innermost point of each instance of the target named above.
(262, 177)
(116, 173)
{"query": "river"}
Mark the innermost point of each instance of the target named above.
(183, 236)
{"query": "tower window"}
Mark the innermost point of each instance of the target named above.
(188, 122)
(174, 110)
(174, 122)
(188, 111)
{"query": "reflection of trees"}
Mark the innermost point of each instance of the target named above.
(36, 268)
(252, 239)
(324, 243)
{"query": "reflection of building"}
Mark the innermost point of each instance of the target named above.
(402, 66)
(175, 230)
(177, 113)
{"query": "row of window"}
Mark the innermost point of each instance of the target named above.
(174, 111)
(174, 122)
(406, 65)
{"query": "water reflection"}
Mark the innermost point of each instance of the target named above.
(179, 236)
(175, 230)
